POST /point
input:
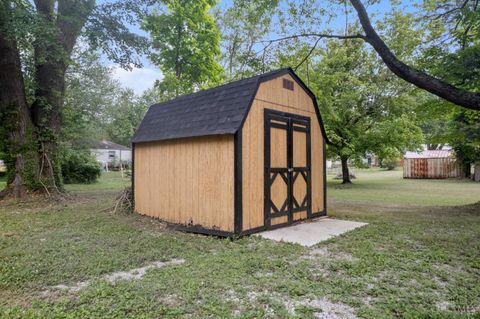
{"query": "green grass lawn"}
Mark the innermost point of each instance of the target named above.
(419, 257)
(389, 187)
(3, 182)
(107, 181)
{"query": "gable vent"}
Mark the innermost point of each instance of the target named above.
(287, 84)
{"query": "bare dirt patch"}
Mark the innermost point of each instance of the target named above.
(133, 274)
(330, 253)
(323, 307)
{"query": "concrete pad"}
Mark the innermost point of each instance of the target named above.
(311, 232)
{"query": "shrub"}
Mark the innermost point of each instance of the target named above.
(79, 167)
(389, 164)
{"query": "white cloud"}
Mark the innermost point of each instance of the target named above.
(137, 79)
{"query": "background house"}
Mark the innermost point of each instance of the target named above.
(112, 155)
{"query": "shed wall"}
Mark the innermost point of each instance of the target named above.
(431, 168)
(187, 181)
(272, 95)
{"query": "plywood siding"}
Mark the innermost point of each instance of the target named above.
(187, 181)
(431, 168)
(272, 95)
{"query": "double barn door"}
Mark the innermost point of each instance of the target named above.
(287, 168)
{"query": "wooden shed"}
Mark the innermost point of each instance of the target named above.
(233, 160)
(435, 164)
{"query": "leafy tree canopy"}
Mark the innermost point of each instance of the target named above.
(365, 109)
(187, 43)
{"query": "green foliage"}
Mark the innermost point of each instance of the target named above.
(79, 167)
(187, 43)
(10, 150)
(90, 94)
(97, 107)
(45, 33)
(126, 115)
(108, 29)
(242, 25)
(457, 24)
(466, 136)
(365, 110)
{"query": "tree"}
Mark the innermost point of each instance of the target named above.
(16, 129)
(465, 139)
(45, 32)
(126, 115)
(97, 107)
(438, 87)
(464, 14)
(187, 41)
(90, 99)
(457, 25)
(364, 109)
(242, 25)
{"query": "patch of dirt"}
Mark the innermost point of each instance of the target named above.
(169, 300)
(442, 305)
(12, 299)
(327, 252)
(133, 274)
(326, 308)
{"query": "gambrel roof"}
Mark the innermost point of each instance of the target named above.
(216, 111)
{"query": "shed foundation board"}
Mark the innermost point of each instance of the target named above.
(312, 232)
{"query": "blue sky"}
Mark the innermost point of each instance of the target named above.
(143, 78)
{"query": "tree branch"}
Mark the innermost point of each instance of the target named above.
(315, 35)
(308, 55)
(319, 36)
(467, 99)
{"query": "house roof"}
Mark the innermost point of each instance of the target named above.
(429, 154)
(219, 110)
(107, 145)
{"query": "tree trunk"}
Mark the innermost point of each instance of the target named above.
(52, 51)
(345, 171)
(46, 115)
(467, 170)
(418, 78)
(14, 113)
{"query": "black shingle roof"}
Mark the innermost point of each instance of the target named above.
(220, 110)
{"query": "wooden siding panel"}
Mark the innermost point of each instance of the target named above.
(299, 149)
(279, 220)
(278, 149)
(299, 215)
(318, 194)
(187, 181)
(272, 95)
(279, 192)
(272, 91)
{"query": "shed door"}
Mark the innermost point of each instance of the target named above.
(287, 168)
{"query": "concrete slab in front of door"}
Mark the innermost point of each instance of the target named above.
(311, 232)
